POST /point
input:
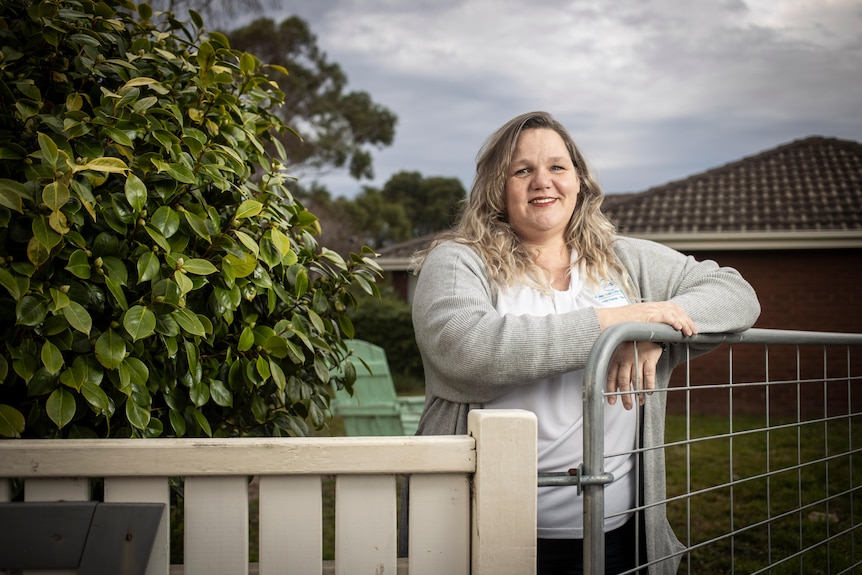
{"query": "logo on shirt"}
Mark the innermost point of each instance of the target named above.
(610, 292)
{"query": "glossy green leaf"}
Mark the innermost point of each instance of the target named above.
(242, 267)
(277, 374)
(281, 242)
(148, 267)
(197, 224)
(60, 407)
(321, 369)
(301, 286)
(59, 298)
(220, 394)
(346, 326)
(30, 311)
(199, 393)
(199, 267)
(11, 421)
(118, 136)
(136, 192)
(15, 285)
(188, 321)
(52, 358)
(55, 195)
(262, 366)
(183, 282)
(116, 290)
(248, 209)
(258, 408)
(276, 346)
(166, 220)
(110, 349)
(139, 322)
(116, 269)
(78, 317)
(43, 232)
(139, 374)
(79, 265)
(181, 174)
(50, 151)
(247, 241)
(84, 369)
(178, 422)
(97, 398)
(316, 321)
(106, 165)
(13, 194)
(246, 339)
(157, 237)
(201, 420)
(137, 415)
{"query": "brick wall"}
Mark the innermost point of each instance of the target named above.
(816, 290)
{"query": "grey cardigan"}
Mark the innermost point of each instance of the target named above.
(472, 354)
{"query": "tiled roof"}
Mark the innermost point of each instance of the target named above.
(813, 184)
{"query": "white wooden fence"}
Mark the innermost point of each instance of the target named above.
(472, 498)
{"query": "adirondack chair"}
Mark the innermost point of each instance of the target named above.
(375, 408)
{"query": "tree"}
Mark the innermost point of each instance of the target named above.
(379, 223)
(336, 126)
(431, 204)
(156, 275)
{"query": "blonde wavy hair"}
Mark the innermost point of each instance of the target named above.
(483, 223)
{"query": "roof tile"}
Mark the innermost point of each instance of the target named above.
(809, 184)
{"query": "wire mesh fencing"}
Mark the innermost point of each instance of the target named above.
(763, 451)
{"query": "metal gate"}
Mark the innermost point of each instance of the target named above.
(763, 451)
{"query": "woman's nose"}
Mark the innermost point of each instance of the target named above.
(541, 179)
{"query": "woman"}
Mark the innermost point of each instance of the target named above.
(508, 305)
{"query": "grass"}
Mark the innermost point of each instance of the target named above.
(774, 490)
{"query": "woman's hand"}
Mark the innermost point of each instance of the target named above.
(630, 372)
(650, 312)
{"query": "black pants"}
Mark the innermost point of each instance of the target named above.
(566, 556)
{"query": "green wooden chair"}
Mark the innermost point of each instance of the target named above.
(375, 408)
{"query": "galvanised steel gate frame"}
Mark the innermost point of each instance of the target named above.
(591, 477)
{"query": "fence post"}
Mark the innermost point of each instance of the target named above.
(505, 484)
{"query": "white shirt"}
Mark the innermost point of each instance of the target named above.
(558, 405)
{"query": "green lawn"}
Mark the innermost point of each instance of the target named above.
(776, 489)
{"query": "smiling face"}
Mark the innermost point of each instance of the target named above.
(541, 187)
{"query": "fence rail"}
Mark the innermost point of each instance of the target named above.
(472, 498)
(763, 450)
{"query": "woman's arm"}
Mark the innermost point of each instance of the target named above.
(470, 352)
(717, 299)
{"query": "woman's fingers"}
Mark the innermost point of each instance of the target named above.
(651, 312)
(631, 373)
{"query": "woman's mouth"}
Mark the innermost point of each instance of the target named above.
(541, 201)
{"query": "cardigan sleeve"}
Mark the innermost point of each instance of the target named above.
(472, 353)
(718, 299)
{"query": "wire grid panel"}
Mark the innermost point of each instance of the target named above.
(763, 447)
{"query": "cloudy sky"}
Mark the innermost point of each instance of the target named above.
(651, 90)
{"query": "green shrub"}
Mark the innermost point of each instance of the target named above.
(156, 275)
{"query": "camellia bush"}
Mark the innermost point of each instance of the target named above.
(157, 278)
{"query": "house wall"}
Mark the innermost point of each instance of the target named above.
(816, 290)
